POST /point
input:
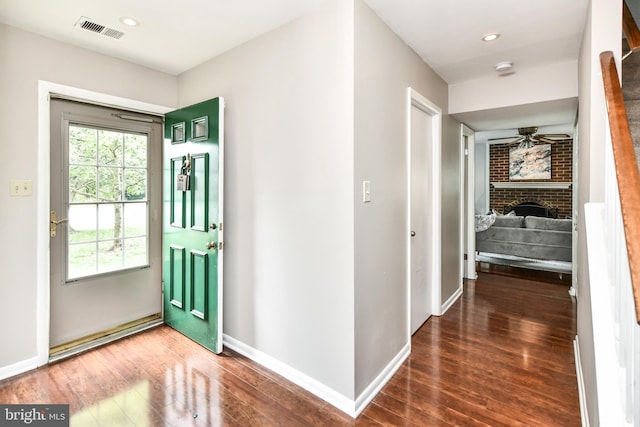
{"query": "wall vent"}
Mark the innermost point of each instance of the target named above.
(85, 23)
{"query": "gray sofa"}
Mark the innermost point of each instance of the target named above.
(529, 237)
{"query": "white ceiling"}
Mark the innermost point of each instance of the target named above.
(175, 36)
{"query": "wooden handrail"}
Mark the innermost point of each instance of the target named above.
(627, 172)
(630, 28)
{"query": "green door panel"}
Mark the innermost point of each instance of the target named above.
(177, 202)
(177, 273)
(192, 226)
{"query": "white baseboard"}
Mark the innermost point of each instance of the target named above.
(18, 368)
(338, 400)
(376, 385)
(452, 299)
(312, 385)
(584, 415)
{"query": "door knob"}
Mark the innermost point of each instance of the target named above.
(413, 233)
(212, 245)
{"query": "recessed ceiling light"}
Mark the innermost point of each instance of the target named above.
(503, 67)
(490, 37)
(129, 21)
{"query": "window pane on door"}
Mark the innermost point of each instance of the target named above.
(82, 223)
(108, 212)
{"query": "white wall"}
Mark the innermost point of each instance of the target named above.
(384, 68)
(26, 58)
(602, 32)
(547, 82)
(289, 196)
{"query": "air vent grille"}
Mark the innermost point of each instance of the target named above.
(86, 24)
(110, 32)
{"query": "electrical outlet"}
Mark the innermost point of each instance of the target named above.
(20, 187)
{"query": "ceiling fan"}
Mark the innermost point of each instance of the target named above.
(528, 137)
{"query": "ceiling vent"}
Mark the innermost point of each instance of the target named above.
(85, 23)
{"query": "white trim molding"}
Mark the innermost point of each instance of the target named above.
(18, 368)
(451, 300)
(468, 200)
(385, 375)
(584, 414)
(341, 402)
(531, 185)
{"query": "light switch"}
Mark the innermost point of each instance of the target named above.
(20, 187)
(366, 191)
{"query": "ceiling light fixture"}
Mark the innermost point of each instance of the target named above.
(129, 21)
(490, 37)
(503, 67)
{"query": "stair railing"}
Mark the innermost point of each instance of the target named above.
(615, 290)
(628, 176)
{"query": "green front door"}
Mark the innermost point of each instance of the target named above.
(192, 244)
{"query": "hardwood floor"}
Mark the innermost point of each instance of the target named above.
(501, 356)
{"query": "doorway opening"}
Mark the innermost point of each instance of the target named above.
(46, 90)
(467, 202)
(424, 136)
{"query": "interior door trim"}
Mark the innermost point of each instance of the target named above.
(45, 89)
(468, 200)
(415, 99)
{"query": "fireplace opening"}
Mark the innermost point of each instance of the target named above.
(531, 208)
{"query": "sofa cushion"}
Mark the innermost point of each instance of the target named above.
(548, 223)
(509, 221)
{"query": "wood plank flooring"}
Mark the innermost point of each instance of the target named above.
(501, 356)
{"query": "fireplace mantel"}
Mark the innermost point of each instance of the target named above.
(533, 185)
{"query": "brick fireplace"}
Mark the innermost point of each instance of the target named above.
(554, 192)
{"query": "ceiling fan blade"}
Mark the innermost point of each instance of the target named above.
(546, 140)
(516, 141)
(553, 135)
(504, 137)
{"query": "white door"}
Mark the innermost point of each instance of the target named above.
(421, 220)
(106, 260)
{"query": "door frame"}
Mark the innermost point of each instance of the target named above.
(42, 192)
(575, 187)
(467, 200)
(415, 99)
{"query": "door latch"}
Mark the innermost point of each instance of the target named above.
(53, 223)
